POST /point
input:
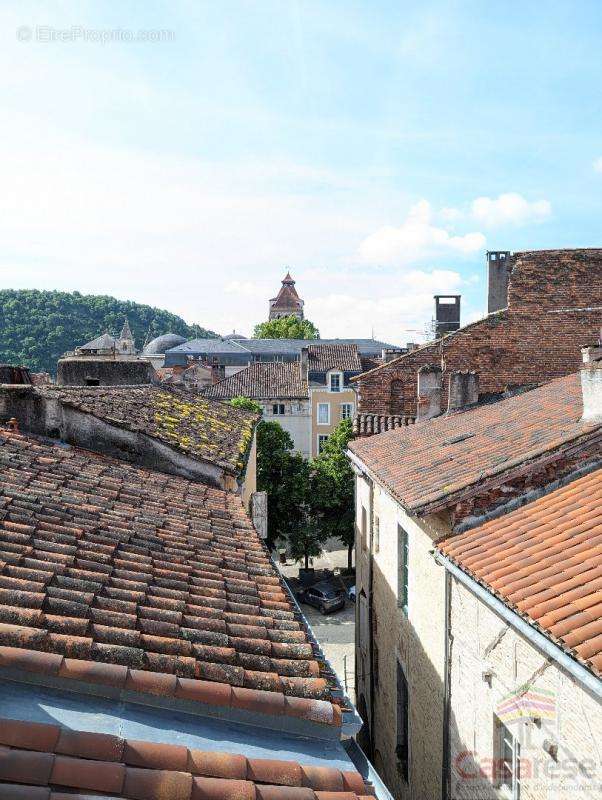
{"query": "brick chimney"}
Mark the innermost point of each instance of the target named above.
(447, 313)
(591, 384)
(463, 390)
(499, 266)
(429, 391)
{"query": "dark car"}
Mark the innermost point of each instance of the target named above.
(324, 596)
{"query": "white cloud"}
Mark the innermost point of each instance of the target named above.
(416, 239)
(396, 316)
(509, 209)
(598, 164)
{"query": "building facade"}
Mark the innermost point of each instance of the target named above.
(543, 307)
(419, 485)
(287, 302)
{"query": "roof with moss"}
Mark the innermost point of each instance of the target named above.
(196, 426)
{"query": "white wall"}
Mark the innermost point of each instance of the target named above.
(482, 641)
(296, 421)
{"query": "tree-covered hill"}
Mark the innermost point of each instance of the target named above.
(36, 328)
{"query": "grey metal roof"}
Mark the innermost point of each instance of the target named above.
(104, 342)
(273, 346)
(162, 343)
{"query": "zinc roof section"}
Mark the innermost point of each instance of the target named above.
(544, 560)
(48, 762)
(434, 460)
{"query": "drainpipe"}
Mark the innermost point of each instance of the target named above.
(526, 629)
(446, 689)
(370, 618)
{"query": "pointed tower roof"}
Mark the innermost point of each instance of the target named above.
(125, 331)
(287, 297)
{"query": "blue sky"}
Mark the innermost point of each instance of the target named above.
(375, 148)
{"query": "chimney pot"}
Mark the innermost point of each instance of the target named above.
(499, 267)
(13, 425)
(591, 390)
(463, 390)
(447, 313)
(429, 392)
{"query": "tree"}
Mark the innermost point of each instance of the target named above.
(284, 475)
(246, 403)
(331, 496)
(38, 327)
(286, 328)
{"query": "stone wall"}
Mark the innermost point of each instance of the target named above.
(484, 643)
(103, 372)
(555, 308)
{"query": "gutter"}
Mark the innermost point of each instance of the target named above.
(581, 674)
(366, 769)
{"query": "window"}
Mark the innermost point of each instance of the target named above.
(402, 733)
(364, 528)
(321, 441)
(323, 413)
(506, 761)
(346, 410)
(403, 571)
(335, 382)
(278, 409)
(92, 381)
(376, 534)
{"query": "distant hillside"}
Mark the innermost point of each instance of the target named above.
(36, 328)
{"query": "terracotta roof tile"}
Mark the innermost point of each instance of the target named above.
(179, 418)
(545, 561)
(165, 587)
(474, 444)
(324, 357)
(262, 381)
(39, 760)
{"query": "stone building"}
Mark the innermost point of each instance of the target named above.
(149, 648)
(105, 361)
(332, 396)
(287, 302)
(543, 307)
(418, 485)
(308, 397)
(281, 389)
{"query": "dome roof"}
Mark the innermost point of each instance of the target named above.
(163, 343)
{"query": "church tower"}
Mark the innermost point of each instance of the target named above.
(125, 345)
(287, 302)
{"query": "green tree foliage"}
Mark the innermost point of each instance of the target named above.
(284, 475)
(331, 503)
(37, 327)
(246, 403)
(286, 328)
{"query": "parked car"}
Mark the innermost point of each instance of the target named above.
(351, 593)
(324, 596)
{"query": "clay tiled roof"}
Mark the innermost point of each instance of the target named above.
(47, 762)
(433, 461)
(323, 357)
(287, 298)
(262, 381)
(153, 584)
(544, 560)
(191, 424)
(370, 424)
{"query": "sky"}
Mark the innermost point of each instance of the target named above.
(186, 154)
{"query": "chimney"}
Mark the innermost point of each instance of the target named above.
(304, 363)
(447, 313)
(499, 268)
(390, 353)
(429, 392)
(463, 390)
(591, 384)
